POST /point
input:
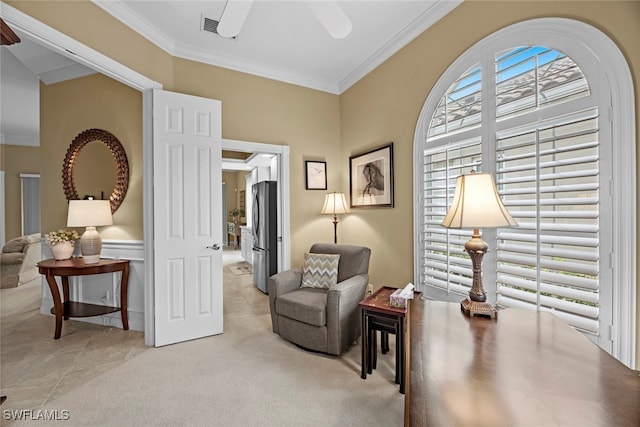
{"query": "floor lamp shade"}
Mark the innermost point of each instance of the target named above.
(477, 204)
(90, 214)
(334, 204)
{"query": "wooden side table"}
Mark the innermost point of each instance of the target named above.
(378, 315)
(63, 308)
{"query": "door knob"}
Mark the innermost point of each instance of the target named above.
(215, 247)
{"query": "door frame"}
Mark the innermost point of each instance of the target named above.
(282, 152)
(71, 48)
(2, 211)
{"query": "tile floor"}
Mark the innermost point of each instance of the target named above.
(35, 368)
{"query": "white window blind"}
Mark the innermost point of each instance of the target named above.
(549, 180)
(30, 203)
(445, 264)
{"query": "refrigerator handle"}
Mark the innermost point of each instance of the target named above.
(256, 213)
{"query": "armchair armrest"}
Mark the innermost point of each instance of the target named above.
(12, 258)
(347, 293)
(342, 312)
(280, 284)
(285, 281)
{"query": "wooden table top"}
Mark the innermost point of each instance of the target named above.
(379, 301)
(76, 266)
(525, 368)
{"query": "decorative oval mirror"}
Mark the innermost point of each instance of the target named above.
(97, 172)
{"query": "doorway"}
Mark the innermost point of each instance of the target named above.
(60, 43)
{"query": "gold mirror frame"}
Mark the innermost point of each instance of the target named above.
(119, 156)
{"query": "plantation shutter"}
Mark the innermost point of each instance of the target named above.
(549, 179)
(445, 264)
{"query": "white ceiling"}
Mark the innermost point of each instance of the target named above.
(283, 40)
(22, 67)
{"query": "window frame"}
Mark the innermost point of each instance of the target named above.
(607, 70)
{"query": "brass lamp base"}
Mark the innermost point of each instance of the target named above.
(477, 308)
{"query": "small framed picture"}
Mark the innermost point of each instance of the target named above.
(316, 175)
(371, 178)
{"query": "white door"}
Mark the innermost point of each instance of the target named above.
(187, 187)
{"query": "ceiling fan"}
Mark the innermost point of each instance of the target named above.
(328, 12)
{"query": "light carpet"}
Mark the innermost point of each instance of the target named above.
(247, 376)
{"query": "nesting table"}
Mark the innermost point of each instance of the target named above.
(378, 315)
(63, 308)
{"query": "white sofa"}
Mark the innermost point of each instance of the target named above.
(18, 260)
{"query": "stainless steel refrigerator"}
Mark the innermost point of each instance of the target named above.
(265, 232)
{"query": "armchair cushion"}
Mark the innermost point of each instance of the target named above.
(307, 305)
(320, 270)
(14, 245)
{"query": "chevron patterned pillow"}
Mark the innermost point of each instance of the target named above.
(320, 270)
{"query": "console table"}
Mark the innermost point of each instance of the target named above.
(63, 308)
(525, 368)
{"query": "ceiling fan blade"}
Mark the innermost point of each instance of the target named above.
(233, 17)
(332, 17)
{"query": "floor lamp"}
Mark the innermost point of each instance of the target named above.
(334, 204)
(476, 204)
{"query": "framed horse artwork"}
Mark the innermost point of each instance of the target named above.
(371, 178)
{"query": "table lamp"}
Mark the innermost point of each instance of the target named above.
(334, 204)
(90, 214)
(476, 204)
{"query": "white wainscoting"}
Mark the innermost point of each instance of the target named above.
(104, 289)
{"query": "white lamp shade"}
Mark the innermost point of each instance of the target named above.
(89, 213)
(477, 204)
(335, 203)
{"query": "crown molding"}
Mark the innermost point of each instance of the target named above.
(206, 57)
(160, 39)
(132, 20)
(419, 25)
(425, 20)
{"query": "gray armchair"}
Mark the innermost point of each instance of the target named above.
(325, 320)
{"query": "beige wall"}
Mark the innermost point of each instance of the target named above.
(15, 160)
(271, 112)
(255, 109)
(382, 107)
(72, 107)
(390, 98)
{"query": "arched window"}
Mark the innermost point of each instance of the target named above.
(537, 105)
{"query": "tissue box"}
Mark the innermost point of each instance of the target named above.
(397, 300)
